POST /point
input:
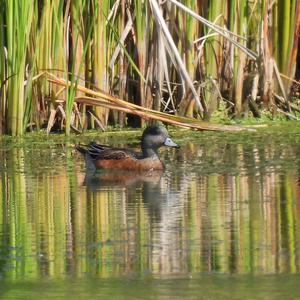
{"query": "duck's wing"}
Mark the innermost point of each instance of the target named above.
(112, 154)
(98, 151)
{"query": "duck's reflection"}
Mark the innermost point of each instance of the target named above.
(148, 186)
(151, 213)
(152, 187)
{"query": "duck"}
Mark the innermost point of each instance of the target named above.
(99, 156)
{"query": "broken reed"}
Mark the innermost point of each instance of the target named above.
(122, 48)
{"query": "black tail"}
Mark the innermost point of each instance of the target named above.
(82, 149)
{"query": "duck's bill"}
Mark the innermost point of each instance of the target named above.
(168, 142)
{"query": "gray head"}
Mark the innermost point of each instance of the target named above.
(153, 138)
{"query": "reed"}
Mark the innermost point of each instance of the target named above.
(285, 31)
(213, 57)
(192, 58)
(100, 51)
(2, 70)
(18, 16)
(238, 25)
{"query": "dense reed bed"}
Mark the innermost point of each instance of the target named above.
(197, 59)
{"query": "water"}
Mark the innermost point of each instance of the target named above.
(222, 222)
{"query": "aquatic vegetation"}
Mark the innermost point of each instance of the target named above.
(192, 59)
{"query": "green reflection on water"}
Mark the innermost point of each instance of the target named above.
(228, 209)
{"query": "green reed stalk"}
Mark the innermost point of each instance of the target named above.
(213, 56)
(100, 51)
(51, 41)
(31, 52)
(19, 15)
(213, 48)
(275, 33)
(189, 29)
(191, 34)
(284, 32)
(2, 69)
(142, 39)
(81, 41)
(292, 41)
(47, 51)
(285, 35)
(76, 57)
(294, 37)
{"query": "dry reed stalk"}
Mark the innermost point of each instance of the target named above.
(116, 103)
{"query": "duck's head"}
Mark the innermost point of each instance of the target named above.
(153, 138)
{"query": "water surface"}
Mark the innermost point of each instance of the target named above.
(221, 222)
